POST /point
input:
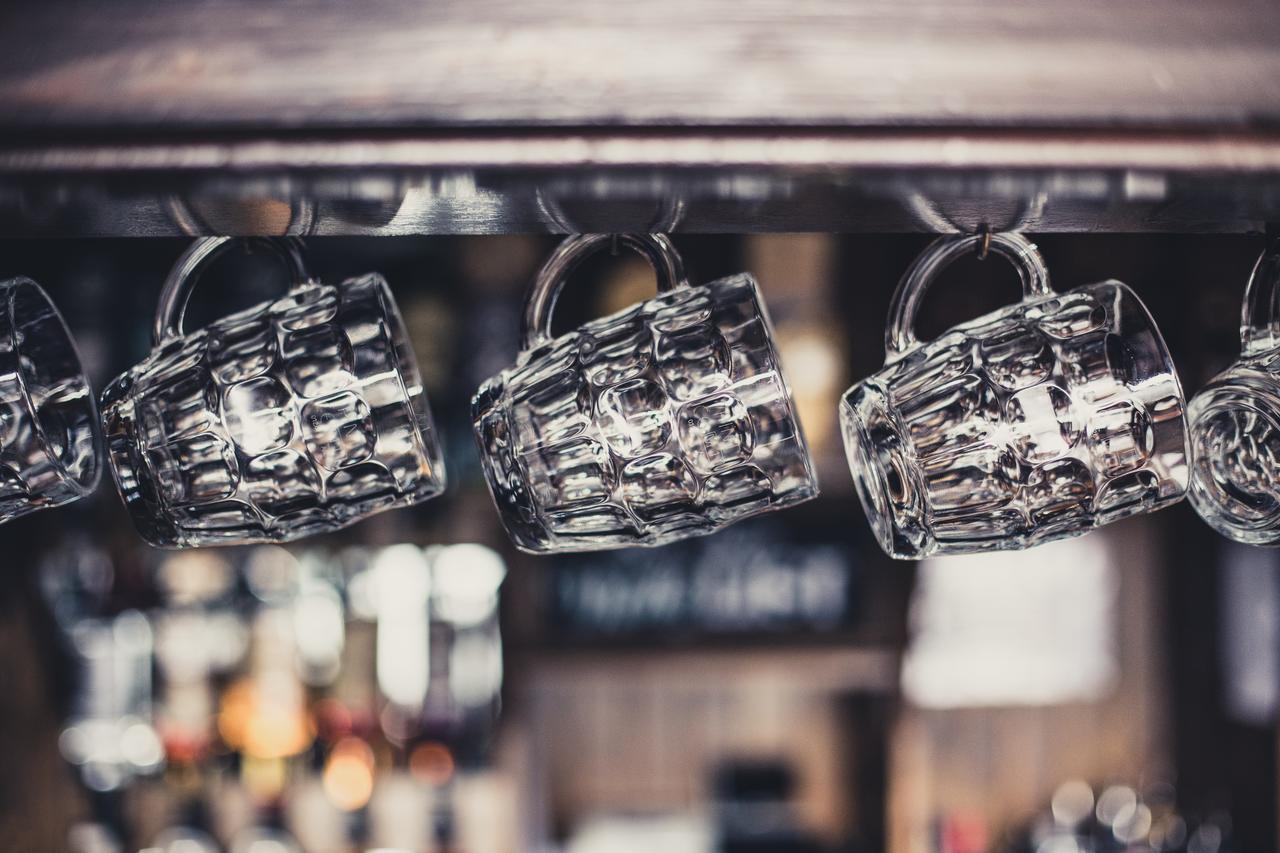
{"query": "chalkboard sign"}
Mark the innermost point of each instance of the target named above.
(744, 580)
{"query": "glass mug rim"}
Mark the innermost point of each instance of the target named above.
(537, 343)
(168, 332)
(84, 484)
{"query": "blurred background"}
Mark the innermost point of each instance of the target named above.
(414, 683)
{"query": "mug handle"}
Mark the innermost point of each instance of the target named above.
(900, 336)
(657, 249)
(176, 293)
(1260, 314)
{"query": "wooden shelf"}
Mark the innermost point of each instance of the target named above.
(826, 669)
(391, 117)
(144, 66)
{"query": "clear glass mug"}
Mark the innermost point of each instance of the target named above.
(50, 444)
(1235, 423)
(297, 416)
(666, 420)
(1041, 420)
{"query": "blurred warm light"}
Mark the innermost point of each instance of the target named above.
(73, 743)
(402, 588)
(141, 746)
(361, 589)
(264, 778)
(190, 577)
(259, 726)
(110, 735)
(275, 732)
(186, 719)
(1115, 803)
(465, 579)
(1133, 825)
(348, 774)
(237, 708)
(182, 746)
(1072, 803)
(192, 643)
(86, 837)
(812, 358)
(332, 719)
(475, 667)
(964, 834)
(131, 633)
(402, 579)
(431, 763)
(272, 573)
(319, 632)
(1168, 832)
(632, 833)
(110, 751)
(182, 839)
(257, 840)
(399, 724)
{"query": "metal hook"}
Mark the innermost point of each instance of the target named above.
(984, 231)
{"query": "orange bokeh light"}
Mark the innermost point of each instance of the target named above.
(431, 763)
(332, 719)
(260, 728)
(348, 774)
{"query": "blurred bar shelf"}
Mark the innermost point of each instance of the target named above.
(392, 117)
(808, 668)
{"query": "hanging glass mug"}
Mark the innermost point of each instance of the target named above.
(50, 444)
(294, 417)
(1038, 421)
(1235, 423)
(666, 420)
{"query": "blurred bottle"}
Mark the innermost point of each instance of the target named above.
(753, 809)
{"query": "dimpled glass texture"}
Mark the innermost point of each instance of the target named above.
(1235, 448)
(49, 446)
(667, 420)
(295, 417)
(1036, 422)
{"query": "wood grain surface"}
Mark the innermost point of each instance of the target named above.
(174, 64)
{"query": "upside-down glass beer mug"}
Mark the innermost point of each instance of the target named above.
(1235, 423)
(666, 420)
(50, 444)
(294, 417)
(1038, 421)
